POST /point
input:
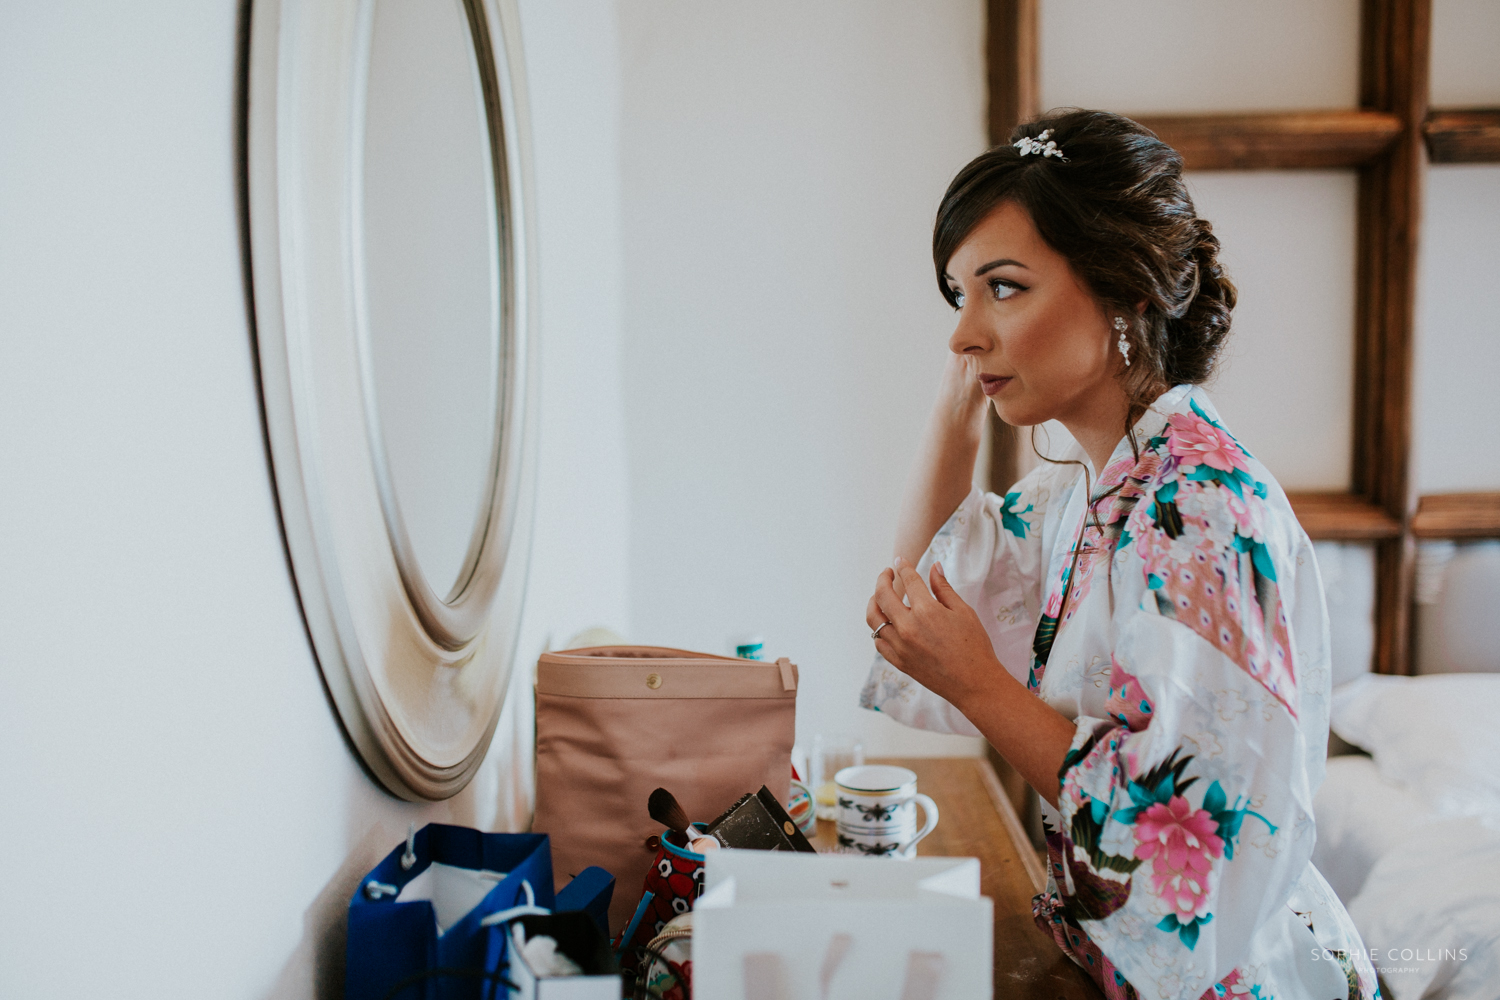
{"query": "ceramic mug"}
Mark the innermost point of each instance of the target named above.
(877, 810)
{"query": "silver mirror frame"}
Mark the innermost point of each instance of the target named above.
(418, 680)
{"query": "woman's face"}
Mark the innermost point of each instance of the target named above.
(1036, 338)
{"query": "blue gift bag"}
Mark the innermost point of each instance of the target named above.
(429, 922)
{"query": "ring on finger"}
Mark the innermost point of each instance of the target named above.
(876, 634)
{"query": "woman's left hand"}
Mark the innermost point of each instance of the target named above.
(938, 641)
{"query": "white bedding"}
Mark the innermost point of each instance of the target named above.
(1430, 912)
(1410, 837)
(1360, 817)
(1436, 735)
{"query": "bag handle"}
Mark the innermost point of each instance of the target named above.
(526, 909)
(788, 674)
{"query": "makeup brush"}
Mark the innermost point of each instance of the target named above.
(664, 808)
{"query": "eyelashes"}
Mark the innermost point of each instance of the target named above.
(1000, 289)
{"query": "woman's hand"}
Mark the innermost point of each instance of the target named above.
(938, 641)
(961, 398)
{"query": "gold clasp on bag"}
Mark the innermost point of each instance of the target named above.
(653, 681)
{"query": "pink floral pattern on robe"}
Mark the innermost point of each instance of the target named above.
(1181, 843)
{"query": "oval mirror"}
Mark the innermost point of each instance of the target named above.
(388, 196)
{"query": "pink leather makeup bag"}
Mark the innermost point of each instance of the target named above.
(614, 723)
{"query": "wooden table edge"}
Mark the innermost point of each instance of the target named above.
(1012, 823)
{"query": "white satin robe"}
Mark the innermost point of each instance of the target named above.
(1192, 655)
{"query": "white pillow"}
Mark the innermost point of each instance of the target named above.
(1438, 735)
(1360, 816)
(1430, 913)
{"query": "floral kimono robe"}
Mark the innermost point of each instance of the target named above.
(1183, 629)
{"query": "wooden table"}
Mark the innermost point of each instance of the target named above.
(976, 820)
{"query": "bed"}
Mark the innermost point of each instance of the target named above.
(1409, 814)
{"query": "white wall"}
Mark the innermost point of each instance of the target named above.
(182, 817)
(1465, 37)
(1189, 56)
(782, 162)
(1458, 309)
(1285, 381)
(1456, 427)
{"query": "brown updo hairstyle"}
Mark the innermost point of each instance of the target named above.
(1118, 210)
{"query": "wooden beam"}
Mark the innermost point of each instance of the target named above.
(1014, 74)
(1464, 136)
(1457, 515)
(1291, 140)
(1395, 46)
(1343, 517)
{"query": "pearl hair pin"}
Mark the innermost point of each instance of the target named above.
(1042, 145)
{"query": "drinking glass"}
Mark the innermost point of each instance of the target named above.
(831, 754)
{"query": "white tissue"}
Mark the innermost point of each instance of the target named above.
(546, 961)
(452, 891)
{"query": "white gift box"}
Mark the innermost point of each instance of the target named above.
(531, 984)
(782, 926)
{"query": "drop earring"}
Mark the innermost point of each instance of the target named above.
(1122, 343)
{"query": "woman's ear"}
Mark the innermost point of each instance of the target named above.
(1140, 308)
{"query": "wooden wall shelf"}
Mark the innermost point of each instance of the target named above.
(1288, 140)
(1344, 517)
(1463, 136)
(1457, 515)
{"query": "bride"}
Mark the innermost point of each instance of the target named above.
(1139, 629)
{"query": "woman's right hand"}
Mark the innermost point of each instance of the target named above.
(960, 396)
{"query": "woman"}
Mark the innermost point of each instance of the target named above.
(1139, 630)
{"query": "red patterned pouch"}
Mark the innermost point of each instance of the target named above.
(673, 882)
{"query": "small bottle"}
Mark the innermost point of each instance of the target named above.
(748, 647)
